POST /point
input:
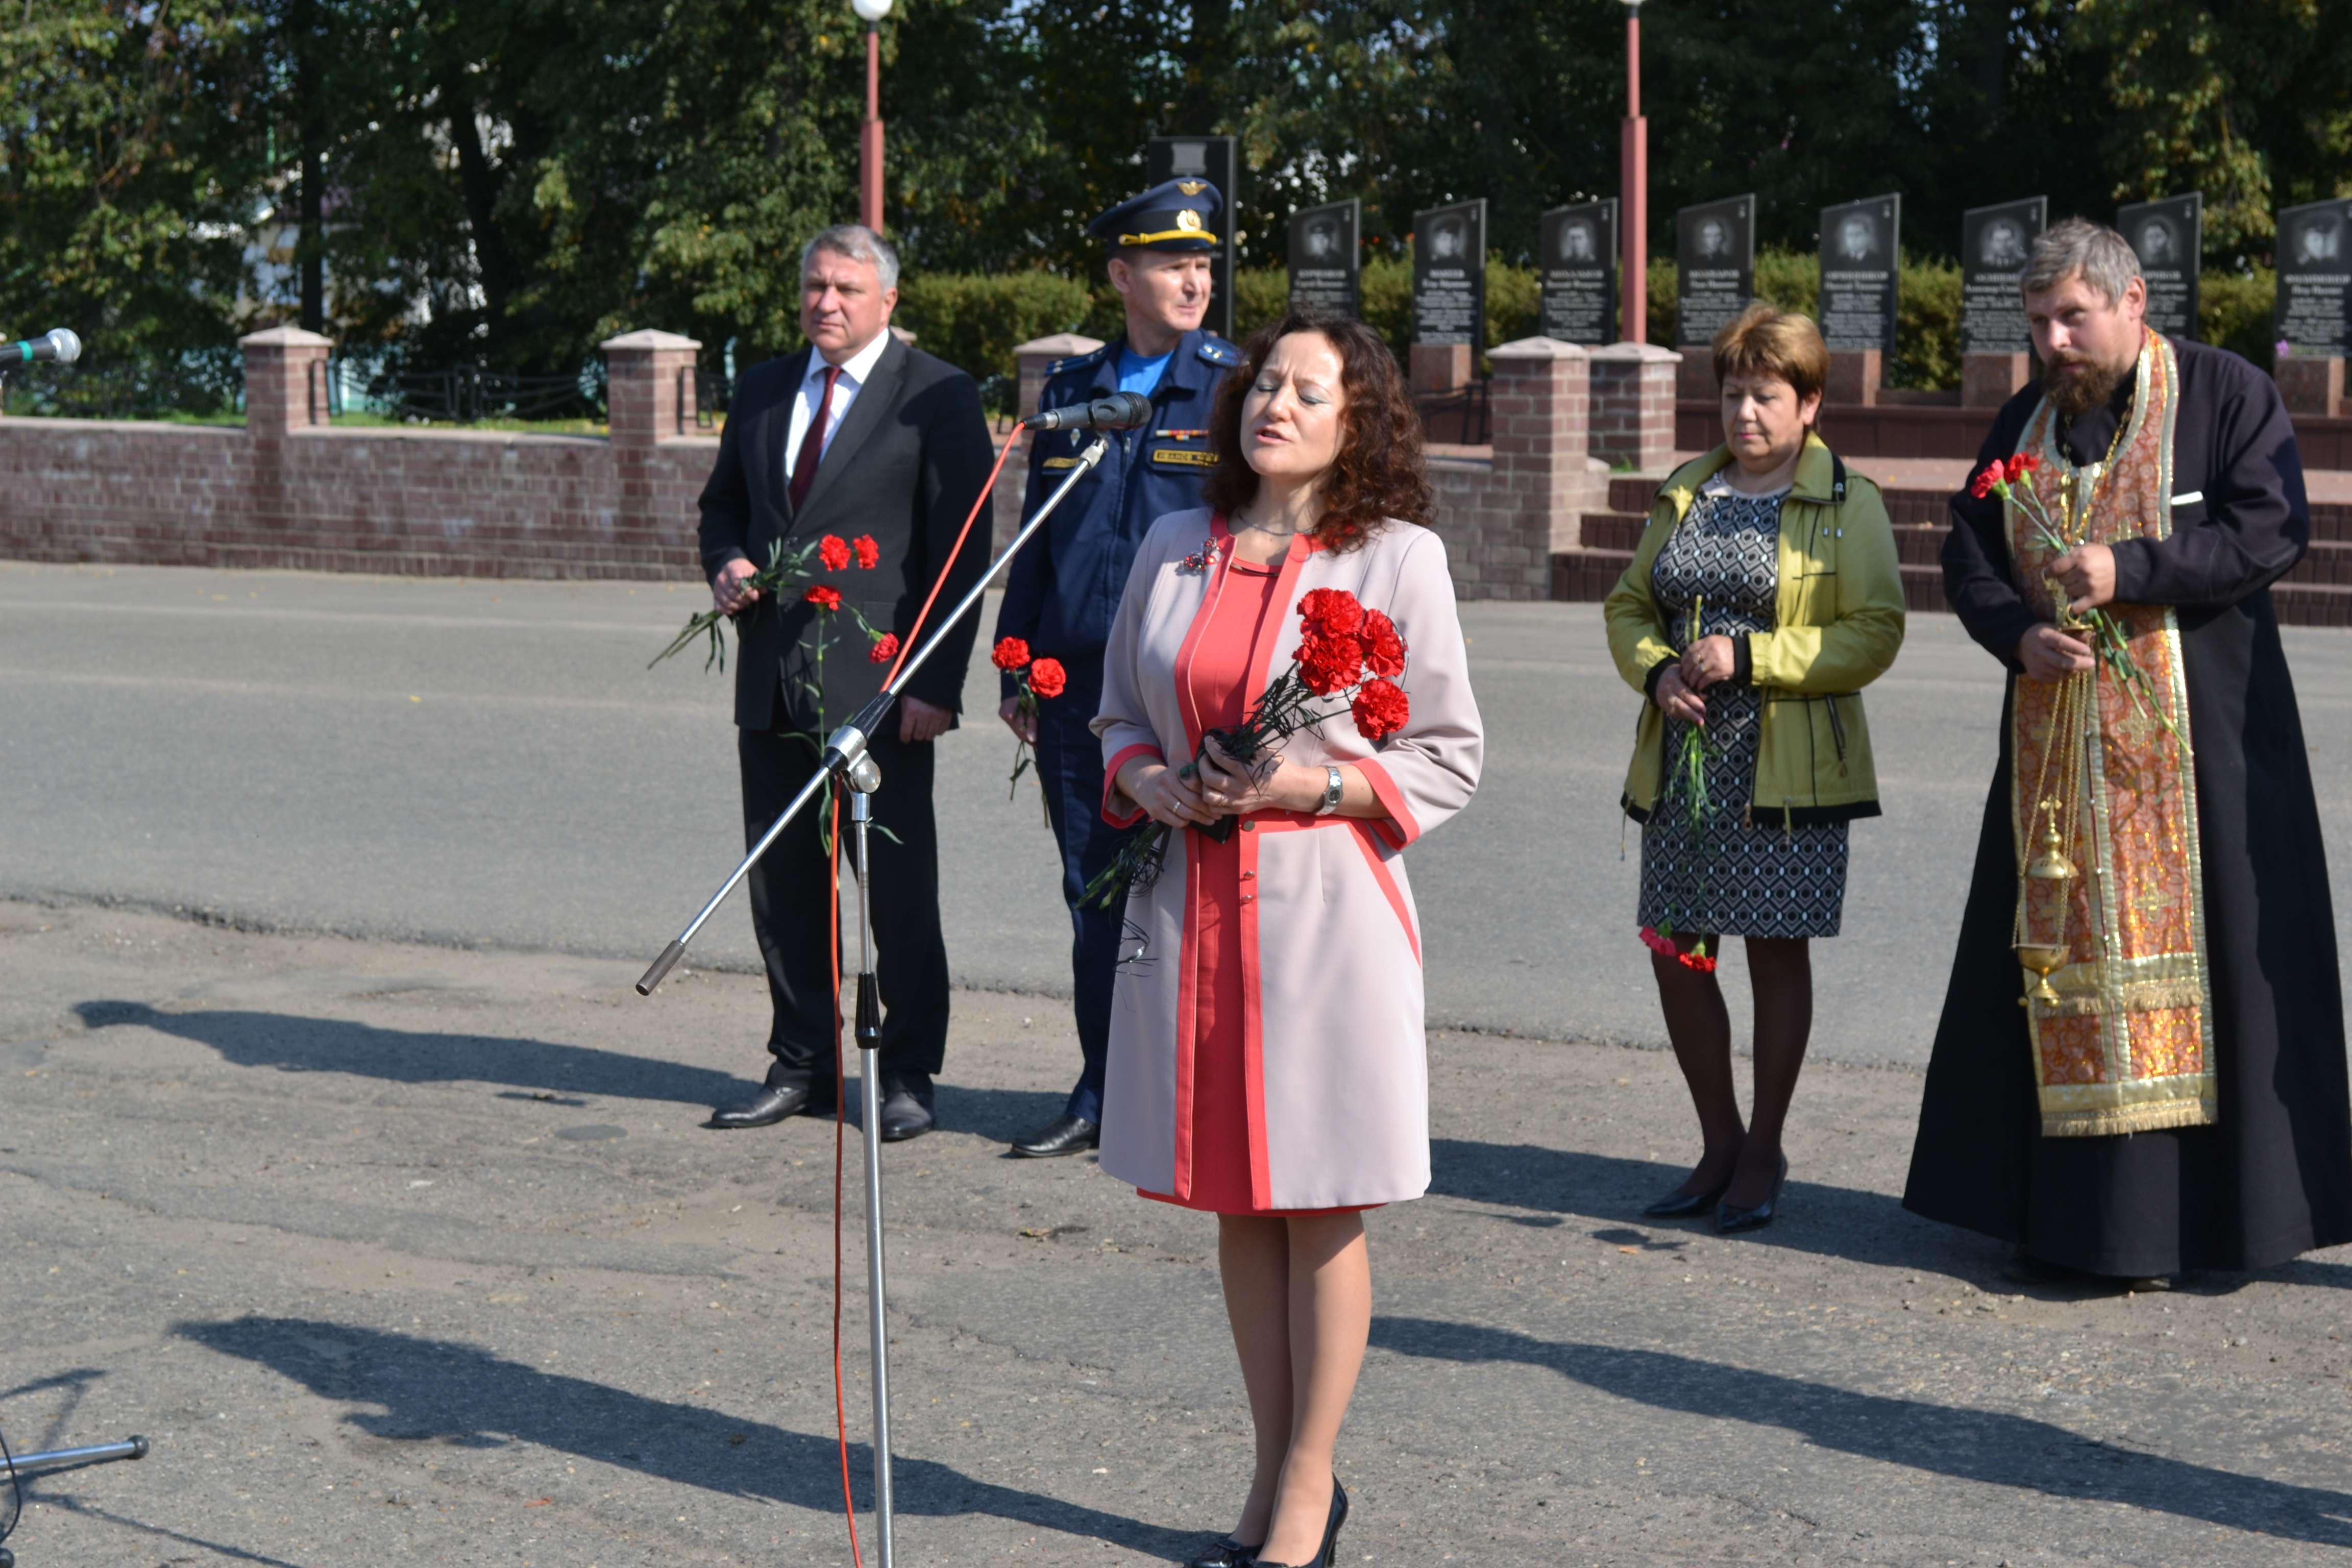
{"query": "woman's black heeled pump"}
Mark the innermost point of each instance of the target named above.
(1225, 1553)
(1729, 1220)
(1330, 1552)
(1685, 1205)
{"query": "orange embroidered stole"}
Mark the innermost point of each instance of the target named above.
(2129, 1045)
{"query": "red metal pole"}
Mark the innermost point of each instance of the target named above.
(869, 182)
(1633, 216)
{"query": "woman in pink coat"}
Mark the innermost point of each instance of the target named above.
(1267, 1053)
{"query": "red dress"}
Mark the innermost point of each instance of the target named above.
(1244, 617)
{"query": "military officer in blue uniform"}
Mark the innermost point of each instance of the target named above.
(1064, 588)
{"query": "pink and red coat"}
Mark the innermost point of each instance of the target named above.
(1335, 1052)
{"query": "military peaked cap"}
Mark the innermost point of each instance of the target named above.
(1171, 217)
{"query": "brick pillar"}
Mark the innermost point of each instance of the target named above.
(1543, 479)
(646, 399)
(1034, 358)
(2313, 385)
(1987, 381)
(285, 381)
(1855, 377)
(1440, 368)
(1632, 417)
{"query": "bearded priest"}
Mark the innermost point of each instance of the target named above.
(2141, 1068)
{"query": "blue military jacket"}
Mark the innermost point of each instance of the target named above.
(1065, 587)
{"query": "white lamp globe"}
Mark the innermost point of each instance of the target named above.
(870, 10)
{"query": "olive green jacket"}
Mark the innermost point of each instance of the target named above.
(1838, 627)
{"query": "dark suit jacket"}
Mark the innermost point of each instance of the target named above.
(906, 466)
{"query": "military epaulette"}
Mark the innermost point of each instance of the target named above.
(1219, 353)
(1055, 367)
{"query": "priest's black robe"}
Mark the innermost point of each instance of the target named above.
(2273, 1176)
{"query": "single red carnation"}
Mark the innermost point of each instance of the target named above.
(832, 553)
(1383, 649)
(1333, 612)
(2021, 465)
(1699, 962)
(1664, 946)
(1992, 477)
(885, 649)
(822, 597)
(869, 554)
(1047, 678)
(1328, 666)
(1011, 653)
(1381, 710)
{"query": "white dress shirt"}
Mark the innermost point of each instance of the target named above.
(854, 375)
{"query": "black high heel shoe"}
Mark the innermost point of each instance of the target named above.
(1684, 1205)
(1225, 1553)
(1329, 1554)
(1728, 1219)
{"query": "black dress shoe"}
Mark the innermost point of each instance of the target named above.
(1729, 1219)
(1684, 1205)
(906, 1106)
(1225, 1552)
(774, 1102)
(1328, 1554)
(1068, 1135)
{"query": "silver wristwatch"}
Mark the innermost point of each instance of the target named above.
(1334, 786)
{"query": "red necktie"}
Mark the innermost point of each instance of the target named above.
(812, 444)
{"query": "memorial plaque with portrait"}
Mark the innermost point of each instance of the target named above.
(1580, 273)
(2314, 276)
(1993, 243)
(2168, 237)
(1208, 158)
(1714, 256)
(1326, 268)
(1860, 244)
(1449, 275)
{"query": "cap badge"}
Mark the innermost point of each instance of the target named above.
(1188, 220)
(1191, 187)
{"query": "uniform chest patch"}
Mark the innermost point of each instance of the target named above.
(1178, 458)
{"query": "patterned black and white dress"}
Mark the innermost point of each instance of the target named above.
(1732, 878)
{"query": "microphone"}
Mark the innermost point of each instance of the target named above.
(59, 347)
(1119, 411)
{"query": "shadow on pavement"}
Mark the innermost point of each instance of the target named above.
(433, 1390)
(1965, 1445)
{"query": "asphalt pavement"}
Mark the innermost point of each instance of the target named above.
(490, 762)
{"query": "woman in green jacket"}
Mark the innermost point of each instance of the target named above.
(1764, 595)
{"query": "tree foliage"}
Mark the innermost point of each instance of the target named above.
(509, 181)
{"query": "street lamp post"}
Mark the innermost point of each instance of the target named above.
(869, 140)
(1635, 312)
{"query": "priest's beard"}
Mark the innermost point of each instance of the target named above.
(2085, 389)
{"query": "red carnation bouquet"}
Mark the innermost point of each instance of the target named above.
(781, 574)
(1345, 654)
(1041, 679)
(2109, 635)
(1687, 781)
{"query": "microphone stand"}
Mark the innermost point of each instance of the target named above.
(846, 757)
(848, 744)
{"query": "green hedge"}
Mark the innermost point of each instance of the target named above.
(975, 321)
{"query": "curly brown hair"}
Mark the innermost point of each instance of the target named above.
(1377, 473)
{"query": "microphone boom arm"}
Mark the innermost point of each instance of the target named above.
(847, 746)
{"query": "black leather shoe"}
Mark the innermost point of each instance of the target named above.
(1728, 1220)
(1224, 1552)
(1685, 1205)
(1329, 1554)
(906, 1106)
(775, 1101)
(1068, 1135)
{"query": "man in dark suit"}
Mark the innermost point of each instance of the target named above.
(857, 434)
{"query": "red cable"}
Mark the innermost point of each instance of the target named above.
(840, 1086)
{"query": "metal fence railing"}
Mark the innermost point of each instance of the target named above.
(467, 395)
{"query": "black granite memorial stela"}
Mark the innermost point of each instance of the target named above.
(2314, 276)
(1714, 255)
(2168, 237)
(1861, 244)
(1993, 244)
(1580, 273)
(1449, 275)
(1326, 263)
